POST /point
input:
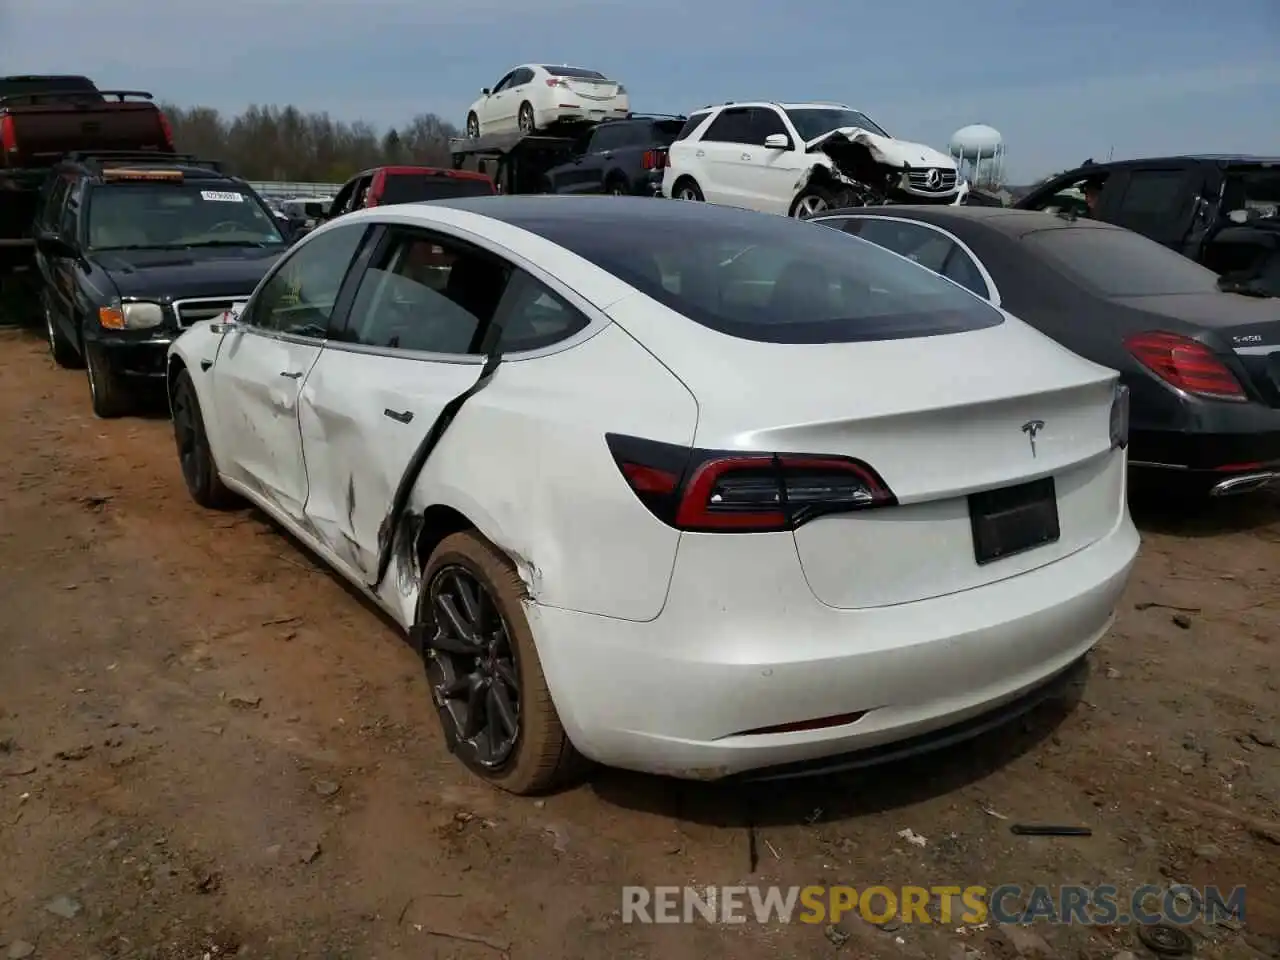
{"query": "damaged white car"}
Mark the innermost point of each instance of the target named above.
(761, 502)
(800, 159)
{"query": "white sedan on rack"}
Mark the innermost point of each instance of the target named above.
(765, 501)
(534, 96)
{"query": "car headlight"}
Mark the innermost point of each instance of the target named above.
(142, 316)
(1120, 417)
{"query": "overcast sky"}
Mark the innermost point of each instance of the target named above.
(1062, 82)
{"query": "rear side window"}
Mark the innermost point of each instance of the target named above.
(1120, 263)
(691, 125)
(416, 187)
(769, 279)
(731, 126)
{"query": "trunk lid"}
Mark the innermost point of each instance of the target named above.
(937, 417)
(1246, 327)
(592, 89)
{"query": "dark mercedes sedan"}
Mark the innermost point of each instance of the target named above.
(1202, 366)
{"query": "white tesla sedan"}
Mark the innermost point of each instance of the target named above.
(675, 487)
(534, 96)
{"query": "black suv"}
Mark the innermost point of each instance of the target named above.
(1221, 211)
(621, 157)
(132, 248)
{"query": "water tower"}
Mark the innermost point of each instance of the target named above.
(979, 152)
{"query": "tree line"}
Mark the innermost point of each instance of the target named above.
(285, 143)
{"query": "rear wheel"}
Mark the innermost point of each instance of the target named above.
(686, 188)
(473, 126)
(194, 456)
(616, 187)
(486, 680)
(61, 349)
(526, 120)
(110, 395)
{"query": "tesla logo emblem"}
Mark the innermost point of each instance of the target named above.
(1031, 428)
(933, 179)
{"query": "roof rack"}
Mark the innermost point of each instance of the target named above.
(101, 158)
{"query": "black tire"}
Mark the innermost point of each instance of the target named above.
(61, 349)
(537, 757)
(473, 126)
(199, 472)
(110, 395)
(617, 187)
(526, 119)
(686, 188)
(813, 201)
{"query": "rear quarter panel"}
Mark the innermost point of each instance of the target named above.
(526, 462)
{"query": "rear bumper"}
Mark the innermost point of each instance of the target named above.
(1229, 441)
(737, 650)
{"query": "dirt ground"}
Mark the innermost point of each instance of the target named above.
(210, 747)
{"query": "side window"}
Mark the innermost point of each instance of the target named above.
(504, 83)
(961, 268)
(731, 126)
(342, 202)
(607, 137)
(925, 246)
(521, 77)
(361, 193)
(426, 293)
(299, 297)
(533, 317)
(764, 123)
(691, 125)
(70, 222)
(1068, 198)
(1153, 198)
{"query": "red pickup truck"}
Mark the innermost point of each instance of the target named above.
(44, 118)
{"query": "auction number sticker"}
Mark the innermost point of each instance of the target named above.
(218, 196)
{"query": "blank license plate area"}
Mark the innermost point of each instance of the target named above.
(1013, 519)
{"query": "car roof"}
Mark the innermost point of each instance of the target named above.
(787, 105)
(605, 212)
(1219, 158)
(1006, 220)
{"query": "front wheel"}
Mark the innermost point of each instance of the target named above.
(473, 126)
(526, 119)
(482, 665)
(813, 202)
(194, 455)
(110, 394)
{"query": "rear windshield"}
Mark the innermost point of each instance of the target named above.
(666, 131)
(33, 86)
(414, 187)
(1120, 263)
(576, 73)
(771, 279)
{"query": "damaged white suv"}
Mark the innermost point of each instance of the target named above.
(800, 159)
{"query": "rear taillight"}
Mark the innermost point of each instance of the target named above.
(8, 135)
(557, 82)
(1186, 364)
(743, 492)
(653, 159)
(166, 130)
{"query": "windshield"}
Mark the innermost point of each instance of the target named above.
(175, 215)
(1120, 263)
(813, 122)
(413, 187)
(574, 73)
(769, 279)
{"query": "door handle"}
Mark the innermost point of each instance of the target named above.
(701, 153)
(399, 416)
(291, 375)
(746, 156)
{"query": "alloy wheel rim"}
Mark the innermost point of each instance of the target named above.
(188, 443)
(473, 128)
(526, 121)
(472, 666)
(810, 206)
(48, 322)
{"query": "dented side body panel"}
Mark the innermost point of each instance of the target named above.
(526, 462)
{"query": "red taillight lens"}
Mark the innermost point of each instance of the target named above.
(1186, 364)
(556, 82)
(8, 135)
(712, 491)
(653, 159)
(166, 130)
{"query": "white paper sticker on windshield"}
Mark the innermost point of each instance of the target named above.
(219, 197)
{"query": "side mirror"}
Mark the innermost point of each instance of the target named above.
(777, 141)
(53, 245)
(484, 91)
(229, 320)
